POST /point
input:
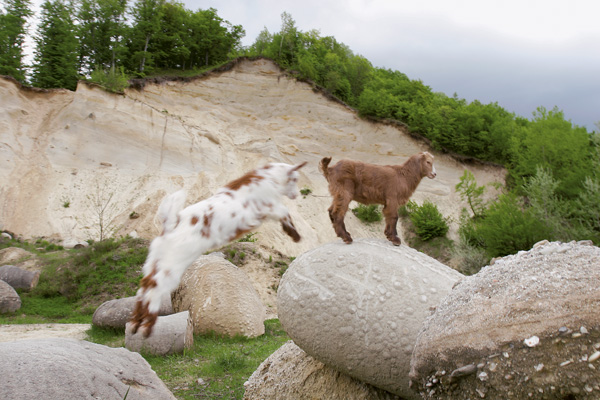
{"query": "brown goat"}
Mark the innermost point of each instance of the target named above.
(389, 185)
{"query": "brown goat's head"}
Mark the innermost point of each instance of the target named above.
(427, 167)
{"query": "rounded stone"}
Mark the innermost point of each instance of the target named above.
(519, 321)
(9, 298)
(371, 339)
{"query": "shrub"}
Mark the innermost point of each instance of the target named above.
(427, 219)
(508, 228)
(112, 80)
(367, 213)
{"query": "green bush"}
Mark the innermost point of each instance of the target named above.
(427, 219)
(508, 227)
(367, 213)
(112, 80)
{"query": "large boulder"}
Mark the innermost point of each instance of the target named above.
(290, 373)
(9, 299)
(116, 313)
(19, 278)
(526, 327)
(220, 298)
(358, 308)
(172, 334)
(60, 368)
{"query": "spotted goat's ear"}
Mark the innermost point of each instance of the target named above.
(297, 167)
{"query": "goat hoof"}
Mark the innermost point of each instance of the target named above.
(348, 241)
(396, 241)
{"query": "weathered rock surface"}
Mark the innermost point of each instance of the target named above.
(290, 373)
(358, 308)
(220, 298)
(171, 334)
(9, 299)
(526, 327)
(116, 313)
(19, 278)
(19, 257)
(75, 369)
(59, 147)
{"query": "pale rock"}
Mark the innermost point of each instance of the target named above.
(358, 308)
(220, 298)
(542, 295)
(172, 334)
(9, 299)
(290, 373)
(60, 368)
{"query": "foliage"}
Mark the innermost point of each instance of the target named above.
(13, 31)
(552, 143)
(56, 55)
(111, 79)
(367, 213)
(509, 227)
(92, 275)
(468, 258)
(469, 191)
(429, 223)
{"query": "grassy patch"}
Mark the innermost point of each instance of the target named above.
(216, 367)
(73, 283)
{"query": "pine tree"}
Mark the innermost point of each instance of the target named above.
(56, 54)
(13, 29)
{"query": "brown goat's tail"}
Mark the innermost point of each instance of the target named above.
(323, 165)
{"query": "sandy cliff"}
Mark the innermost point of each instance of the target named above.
(63, 152)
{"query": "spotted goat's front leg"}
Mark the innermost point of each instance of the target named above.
(289, 228)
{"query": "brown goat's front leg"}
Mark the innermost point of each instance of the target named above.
(391, 220)
(337, 212)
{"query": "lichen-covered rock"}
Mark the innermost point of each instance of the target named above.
(9, 298)
(358, 308)
(526, 327)
(116, 313)
(60, 368)
(220, 298)
(290, 373)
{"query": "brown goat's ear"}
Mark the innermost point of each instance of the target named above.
(297, 167)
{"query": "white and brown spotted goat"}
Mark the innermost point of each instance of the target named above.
(239, 207)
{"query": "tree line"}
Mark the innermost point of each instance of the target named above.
(75, 38)
(553, 186)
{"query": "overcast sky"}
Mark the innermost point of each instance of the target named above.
(521, 54)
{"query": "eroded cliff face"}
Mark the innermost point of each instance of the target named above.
(65, 155)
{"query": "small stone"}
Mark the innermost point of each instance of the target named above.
(583, 330)
(539, 367)
(532, 341)
(483, 376)
(565, 363)
(595, 356)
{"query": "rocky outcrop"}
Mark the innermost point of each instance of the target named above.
(526, 327)
(62, 150)
(220, 298)
(75, 369)
(172, 334)
(290, 373)
(19, 278)
(9, 299)
(358, 308)
(116, 313)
